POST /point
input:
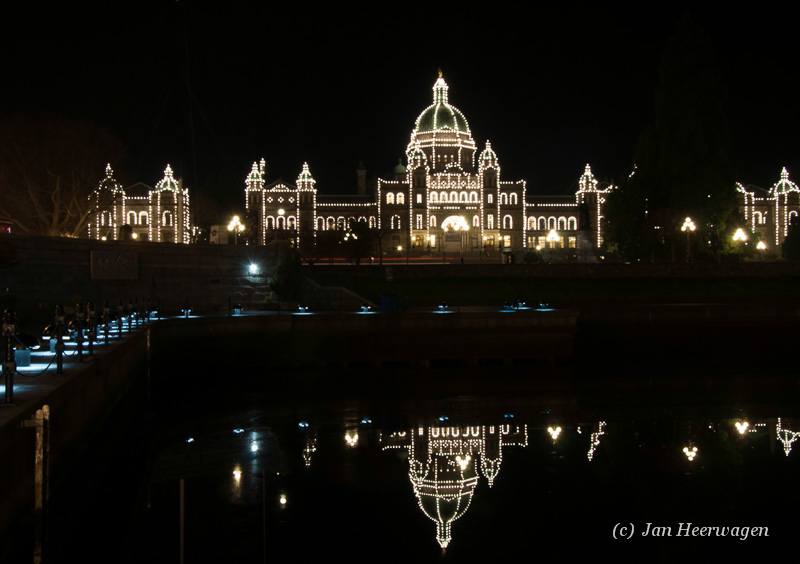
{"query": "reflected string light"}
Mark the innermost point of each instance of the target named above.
(594, 441)
(786, 437)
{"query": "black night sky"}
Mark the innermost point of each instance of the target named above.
(552, 88)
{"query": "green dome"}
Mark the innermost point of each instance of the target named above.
(440, 114)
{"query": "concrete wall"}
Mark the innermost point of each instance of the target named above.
(488, 269)
(46, 271)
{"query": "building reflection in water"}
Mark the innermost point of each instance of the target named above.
(445, 464)
(786, 436)
(630, 466)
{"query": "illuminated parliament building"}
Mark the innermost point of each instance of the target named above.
(448, 196)
(159, 214)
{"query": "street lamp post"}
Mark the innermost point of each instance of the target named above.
(740, 237)
(236, 226)
(687, 227)
(552, 238)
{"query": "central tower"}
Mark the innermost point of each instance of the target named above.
(443, 134)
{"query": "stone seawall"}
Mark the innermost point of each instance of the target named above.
(80, 400)
(344, 339)
(45, 271)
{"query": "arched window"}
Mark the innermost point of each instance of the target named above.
(531, 223)
(331, 223)
(507, 222)
(443, 197)
(503, 198)
(551, 222)
(542, 224)
(143, 218)
(432, 221)
(562, 223)
(434, 197)
(401, 199)
(396, 223)
(462, 197)
(473, 197)
(131, 218)
(270, 222)
(572, 224)
(759, 218)
(166, 220)
(281, 223)
(453, 197)
(389, 198)
(372, 222)
(291, 222)
(490, 222)
(476, 221)
(513, 199)
(340, 223)
(320, 225)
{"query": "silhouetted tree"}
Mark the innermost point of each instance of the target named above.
(683, 165)
(357, 241)
(288, 280)
(48, 169)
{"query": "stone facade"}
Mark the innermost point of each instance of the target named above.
(445, 198)
(769, 214)
(140, 212)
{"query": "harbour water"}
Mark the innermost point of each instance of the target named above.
(231, 463)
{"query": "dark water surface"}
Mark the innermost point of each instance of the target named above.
(433, 444)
